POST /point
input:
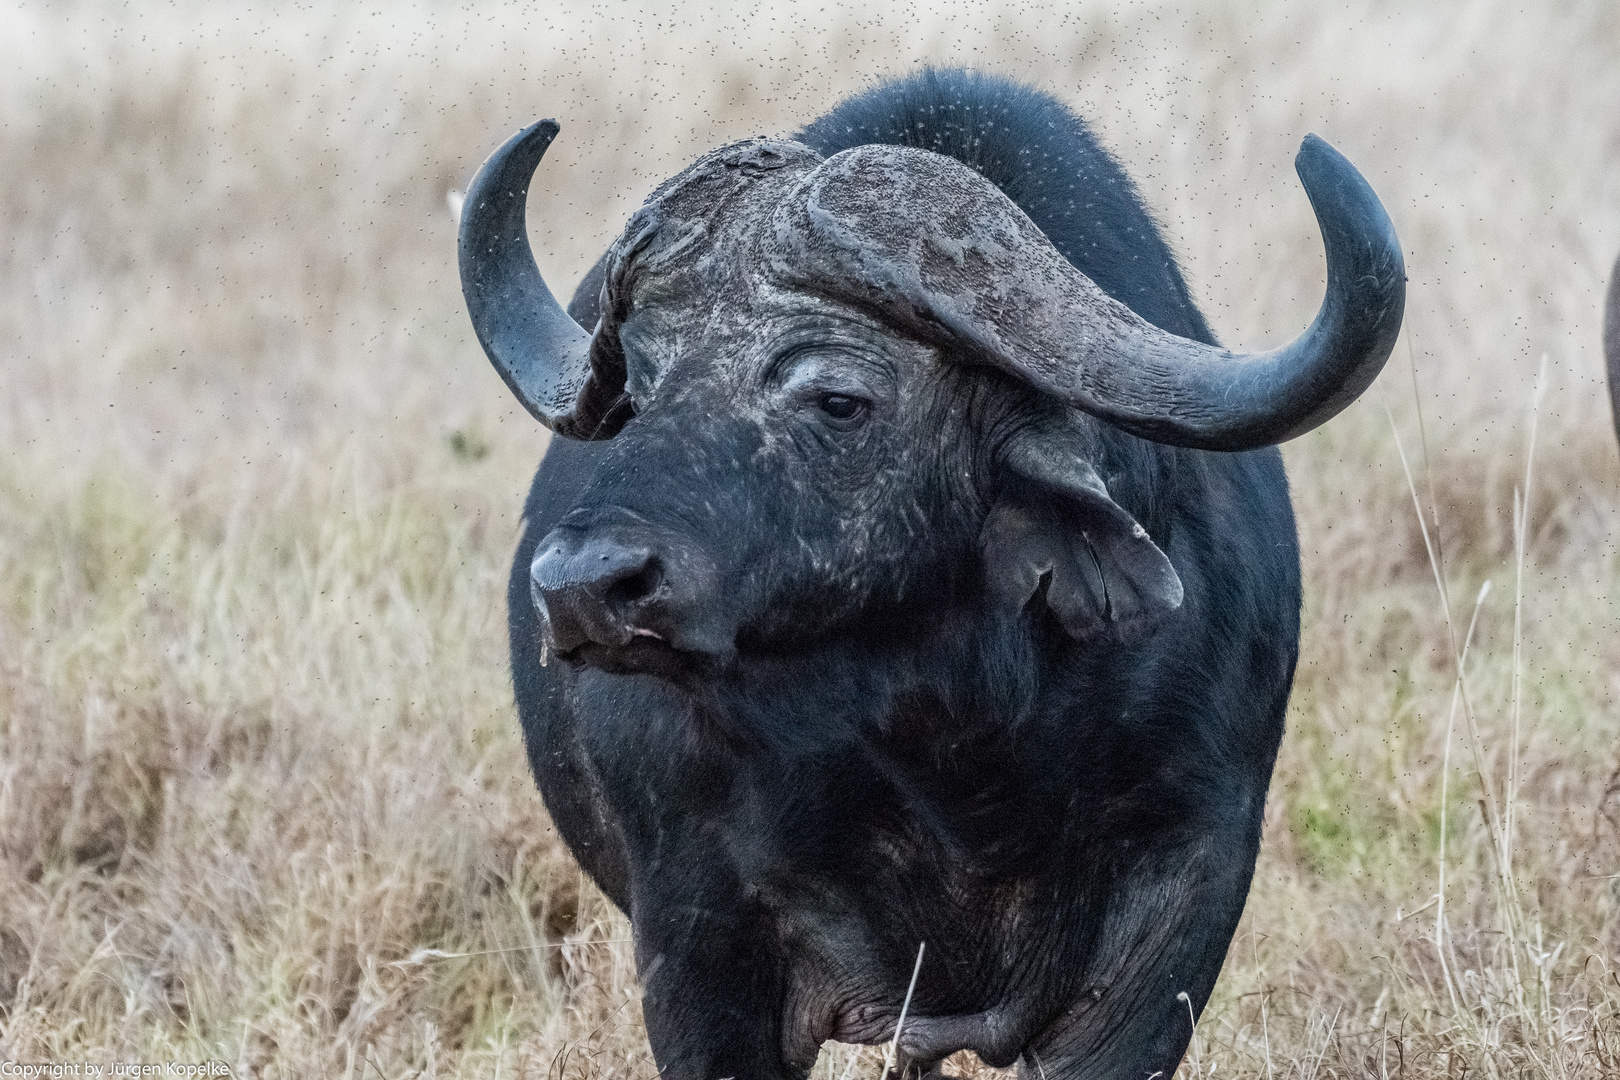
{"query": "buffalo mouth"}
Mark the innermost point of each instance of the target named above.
(644, 656)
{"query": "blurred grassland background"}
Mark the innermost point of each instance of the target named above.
(262, 794)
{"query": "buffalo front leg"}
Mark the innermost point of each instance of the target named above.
(713, 989)
(1164, 938)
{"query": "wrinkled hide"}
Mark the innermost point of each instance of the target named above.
(855, 635)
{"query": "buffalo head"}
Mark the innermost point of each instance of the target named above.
(853, 394)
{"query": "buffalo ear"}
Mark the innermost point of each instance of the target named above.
(1105, 577)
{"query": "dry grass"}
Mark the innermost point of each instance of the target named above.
(262, 798)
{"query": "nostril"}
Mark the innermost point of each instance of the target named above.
(637, 585)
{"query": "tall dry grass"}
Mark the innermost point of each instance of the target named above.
(262, 798)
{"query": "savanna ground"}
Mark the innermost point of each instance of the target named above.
(262, 796)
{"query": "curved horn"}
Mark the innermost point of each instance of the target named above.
(960, 264)
(1611, 342)
(544, 356)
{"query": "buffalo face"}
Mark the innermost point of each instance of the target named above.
(791, 467)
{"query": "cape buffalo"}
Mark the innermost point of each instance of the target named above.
(914, 568)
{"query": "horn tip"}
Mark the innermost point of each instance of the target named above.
(541, 131)
(1344, 200)
(1316, 153)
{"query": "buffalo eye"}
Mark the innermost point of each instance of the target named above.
(841, 407)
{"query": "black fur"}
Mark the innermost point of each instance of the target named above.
(1070, 827)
